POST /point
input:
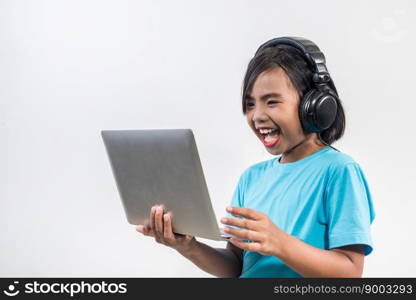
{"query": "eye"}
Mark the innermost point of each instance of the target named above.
(251, 104)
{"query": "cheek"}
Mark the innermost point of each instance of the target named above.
(289, 116)
(249, 118)
(290, 123)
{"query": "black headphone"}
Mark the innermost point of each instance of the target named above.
(318, 107)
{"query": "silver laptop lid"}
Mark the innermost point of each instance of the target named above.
(162, 166)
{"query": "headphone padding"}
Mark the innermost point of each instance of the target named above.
(317, 110)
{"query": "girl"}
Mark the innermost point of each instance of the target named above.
(306, 212)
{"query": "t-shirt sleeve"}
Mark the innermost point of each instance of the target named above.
(349, 208)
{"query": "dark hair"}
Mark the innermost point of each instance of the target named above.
(300, 73)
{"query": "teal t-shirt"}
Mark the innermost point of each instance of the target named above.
(323, 200)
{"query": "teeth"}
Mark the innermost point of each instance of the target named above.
(266, 131)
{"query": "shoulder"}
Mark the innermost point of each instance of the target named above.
(255, 171)
(335, 158)
(342, 167)
(329, 162)
(258, 168)
(331, 165)
(336, 161)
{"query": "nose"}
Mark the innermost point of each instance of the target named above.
(259, 115)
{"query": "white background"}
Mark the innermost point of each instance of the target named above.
(69, 69)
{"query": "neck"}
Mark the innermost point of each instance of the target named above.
(309, 145)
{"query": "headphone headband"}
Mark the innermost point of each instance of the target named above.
(309, 50)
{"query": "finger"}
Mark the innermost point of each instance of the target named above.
(147, 224)
(159, 221)
(168, 231)
(148, 228)
(144, 230)
(245, 212)
(243, 223)
(151, 216)
(149, 232)
(243, 234)
(140, 228)
(153, 222)
(254, 247)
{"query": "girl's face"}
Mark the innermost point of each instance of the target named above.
(273, 104)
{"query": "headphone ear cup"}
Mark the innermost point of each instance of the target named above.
(306, 112)
(326, 111)
(318, 110)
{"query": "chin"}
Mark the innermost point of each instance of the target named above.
(274, 151)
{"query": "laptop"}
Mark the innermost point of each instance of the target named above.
(162, 166)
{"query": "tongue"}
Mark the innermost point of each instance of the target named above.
(272, 137)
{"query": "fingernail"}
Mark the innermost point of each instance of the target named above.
(153, 209)
(229, 208)
(224, 220)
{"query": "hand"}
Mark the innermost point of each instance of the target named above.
(266, 238)
(159, 226)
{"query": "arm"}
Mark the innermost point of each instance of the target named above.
(219, 262)
(216, 261)
(308, 261)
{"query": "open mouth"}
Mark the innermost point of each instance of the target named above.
(270, 137)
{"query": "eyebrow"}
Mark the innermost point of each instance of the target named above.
(265, 96)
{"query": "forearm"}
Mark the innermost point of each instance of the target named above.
(310, 261)
(218, 262)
